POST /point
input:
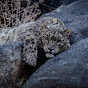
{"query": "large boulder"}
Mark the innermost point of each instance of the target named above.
(10, 62)
(75, 18)
(66, 2)
(67, 70)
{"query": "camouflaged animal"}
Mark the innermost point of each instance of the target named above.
(48, 33)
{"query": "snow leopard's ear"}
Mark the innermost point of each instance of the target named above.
(67, 32)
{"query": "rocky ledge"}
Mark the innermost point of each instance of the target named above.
(67, 70)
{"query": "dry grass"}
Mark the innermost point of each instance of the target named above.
(16, 12)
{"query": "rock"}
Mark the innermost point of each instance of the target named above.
(67, 70)
(10, 62)
(66, 2)
(75, 18)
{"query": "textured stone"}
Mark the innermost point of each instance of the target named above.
(10, 60)
(75, 18)
(67, 70)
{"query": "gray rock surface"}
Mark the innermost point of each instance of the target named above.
(10, 60)
(75, 18)
(67, 70)
(66, 2)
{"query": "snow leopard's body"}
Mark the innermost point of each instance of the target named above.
(48, 33)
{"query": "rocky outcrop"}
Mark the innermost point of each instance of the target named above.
(10, 62)
(66, 2)
(75, 18)
(67, 70)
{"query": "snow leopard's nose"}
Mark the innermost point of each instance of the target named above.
(51, 48)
